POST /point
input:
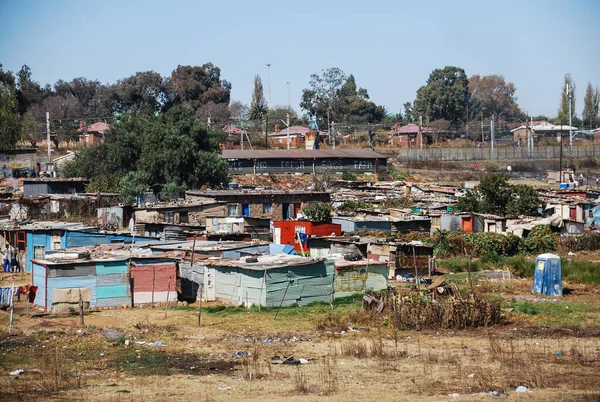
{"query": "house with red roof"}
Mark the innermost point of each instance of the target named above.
(296, 135)
(408, 136)
(92, 134)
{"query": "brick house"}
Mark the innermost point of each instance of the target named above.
(92, 134)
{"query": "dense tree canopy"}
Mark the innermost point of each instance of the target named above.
(9, 117)
(495, 195)
(491, 95)
(143, 93)
(173, 150)
(445, 96)
(335, 95)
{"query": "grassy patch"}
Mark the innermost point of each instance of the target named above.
(581, 271)
(554, 313)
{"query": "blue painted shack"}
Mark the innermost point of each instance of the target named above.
(41, 237)
(107, 280)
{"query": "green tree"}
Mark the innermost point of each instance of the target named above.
(198, 85)
(134, 184)
(563, 111)
(279, 114)
(83, 90)
(170, 152)
(318, 211)
(408, 112)
(495, 195)
(591, 105)
(491, 95)
(9, 117)
(258, 106)
(524, 201)
(324, 97)
(445, 95)
(144, 93)
(30, 130)
(29, 92)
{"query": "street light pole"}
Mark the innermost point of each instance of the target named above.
(269, 77)
(289, 96)
(570, 96)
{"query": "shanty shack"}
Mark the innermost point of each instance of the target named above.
(153, 280)
(402, 257)
(358, 277)
(289, 232)
(106, 281)
(273, 280)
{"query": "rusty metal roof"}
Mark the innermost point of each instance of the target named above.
(301, 153)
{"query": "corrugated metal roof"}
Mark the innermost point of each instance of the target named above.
(301, 153)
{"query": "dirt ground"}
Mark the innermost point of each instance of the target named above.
(141, 355)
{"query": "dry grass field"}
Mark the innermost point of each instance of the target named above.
(550, 347)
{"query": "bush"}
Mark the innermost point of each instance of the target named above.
(348, 176)
(540, 240)
(520, 266)
(352, 205)
(318, 211)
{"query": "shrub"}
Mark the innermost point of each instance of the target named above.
(318, 211)
(348, 176)
(520, 266)
(540, 240)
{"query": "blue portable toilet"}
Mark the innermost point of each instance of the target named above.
(547, 278)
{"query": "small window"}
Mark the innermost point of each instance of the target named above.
(184, 217)
(232, 210)
(267, 208)
(39, 252)
(169, 217)
(21, 241)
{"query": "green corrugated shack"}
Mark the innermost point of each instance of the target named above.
(273, 280)
(361, 276)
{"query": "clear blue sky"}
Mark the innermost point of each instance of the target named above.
(389, 46)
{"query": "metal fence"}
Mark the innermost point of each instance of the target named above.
(499, 153)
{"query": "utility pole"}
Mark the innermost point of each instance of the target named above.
(528, 128)
(560, 175)
(267, 130)
(492, 136)
(288, 129)
(421, 132)
(289, 96)
(482, 133)
(570, 96)
(531, 136)
(48, 136)
(333, 133)
(328, 125)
